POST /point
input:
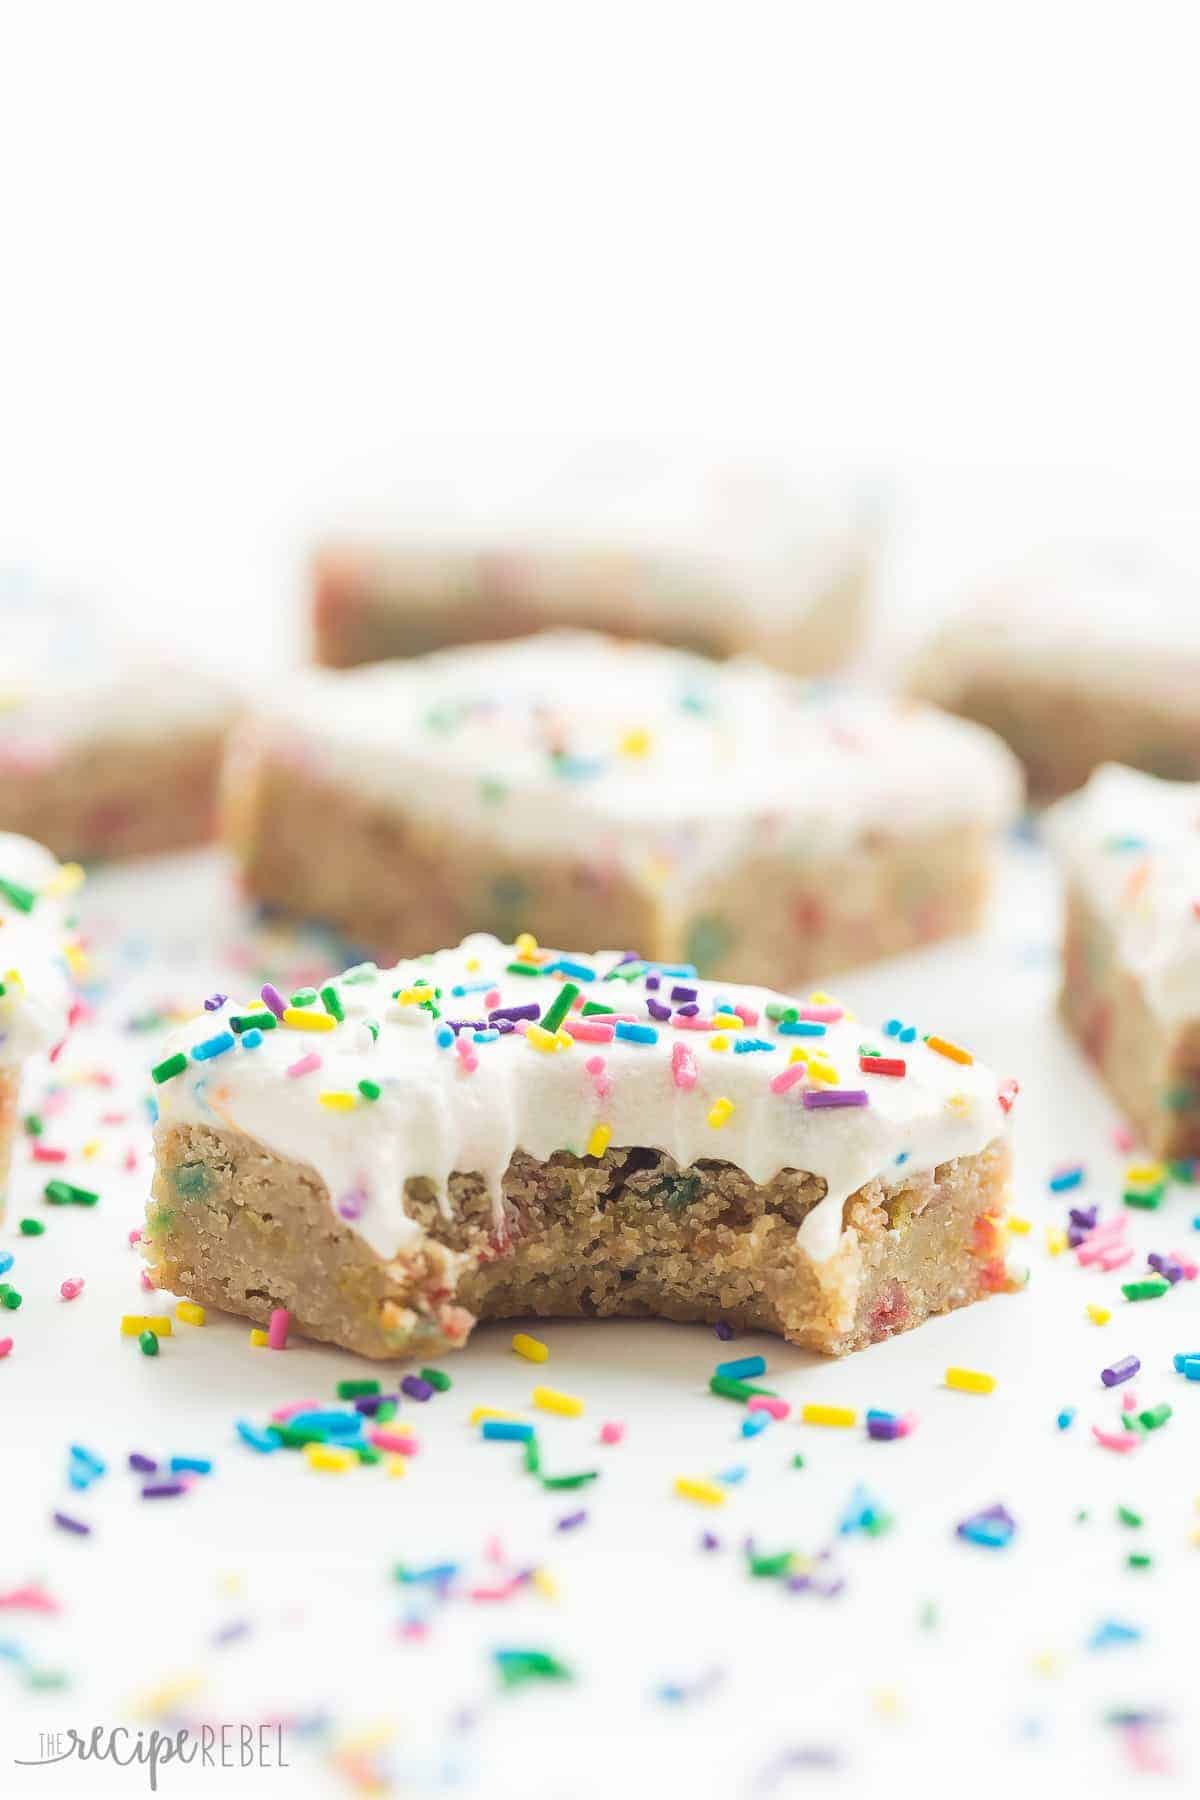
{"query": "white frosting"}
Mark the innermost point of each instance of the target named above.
(672, 543)
(434, 1116)
(33, 968)
(1130, 843)
(638, 755)
(1106, 615)
(66, 678)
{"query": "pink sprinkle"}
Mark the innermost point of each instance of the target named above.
(787, 1078)
(305, 1065)
(778, 1409)
(277, 1330)
(1120, 1441)
(746, 1014)
(283, 1413)
(589, 1031)
(5, 1346)
(466, 1054)
(821, 1015)
(72, 1287)
(612, 1432)
(400, 1441)
(683, 1067)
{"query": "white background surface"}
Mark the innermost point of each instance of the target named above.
(263, 266)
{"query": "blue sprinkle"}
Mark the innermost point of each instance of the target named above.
(636, 1034)
(213, 1046)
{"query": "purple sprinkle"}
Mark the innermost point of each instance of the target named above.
(415, 1388)
(657, 1010)
(684, 993)
(569, 1521)
(145, 1465)
(723, 1330)
(215, 1002)
(352, 1204)
(273, 999)
(710, 1541)
(164, 1490)
(65, 1522)
(814, 1097)
(513, 1013)
(1120, 1371)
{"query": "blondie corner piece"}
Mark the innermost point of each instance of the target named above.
(1129, 845)
(723, 563)
(1078, 659)
(500, 1130)
(106, 750)
(720, 814)
(35, 987)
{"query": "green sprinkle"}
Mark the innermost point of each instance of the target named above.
(331, 1001)
(147, 1343)
(437, 1378)
(261, 1021)
(356, 1390)
(33, 1125)
(532, 1456)
(1152, 1288)
(65, 1193)
(22, 898)
(557, 1483)
(370, 1090)
(1127, 1516)
(32, 1228)
(560, 1006)
(171, 1065)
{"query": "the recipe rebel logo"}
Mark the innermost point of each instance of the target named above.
(219, 1746)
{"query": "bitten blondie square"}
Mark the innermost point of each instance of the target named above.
(35, 988)
(588, 789)
(106, 749)
(1129, 845)
(501, 1130)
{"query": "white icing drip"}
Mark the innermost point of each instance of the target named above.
(34, 1006)
(433, 1117)
(654, 760)
(1131, 844)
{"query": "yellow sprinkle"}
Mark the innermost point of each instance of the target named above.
(718, 1043)
(480, 1413)
(1056, 1240)
(531, 1348)
(1020, 1226)
(599, 1141)
(526, 946)
(544, 1040)
(953, 1051)
(720, 1111)
(302, 1018)
(337, 1099)
(635, 743)
(970, 1381)
(258, 1338)
(133, 1324)
(395, 1465)
(64, 880)
(814, 1414)
(729, 1021)
(1099, 1315)
(545, 1584)
(189, 1312)
(329, 1458)
(550, 1400)
(708, 1493)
